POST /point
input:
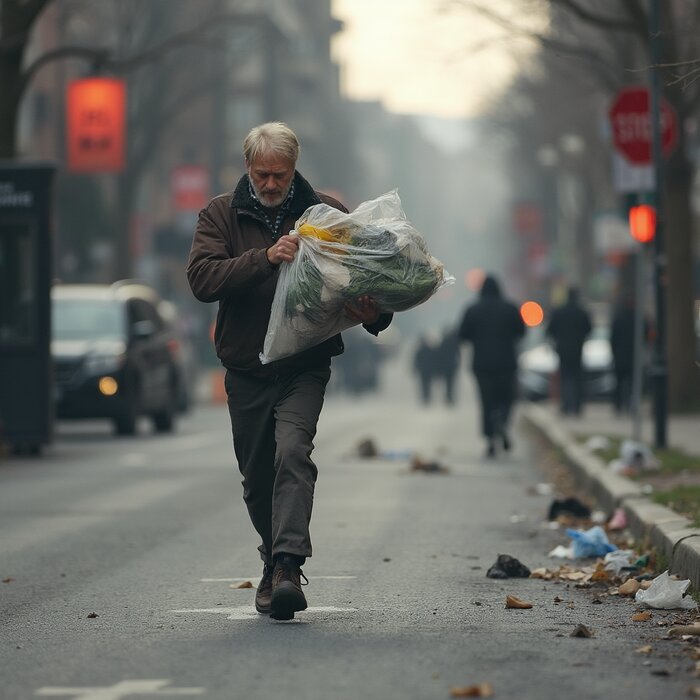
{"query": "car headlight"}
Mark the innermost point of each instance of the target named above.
(103, 364)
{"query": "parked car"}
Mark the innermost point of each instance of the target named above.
(111, 357)
(538, 365)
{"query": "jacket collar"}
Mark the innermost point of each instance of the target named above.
(304, 196)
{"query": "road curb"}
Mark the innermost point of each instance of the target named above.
(650, 523)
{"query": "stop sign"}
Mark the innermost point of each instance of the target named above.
(630, 119)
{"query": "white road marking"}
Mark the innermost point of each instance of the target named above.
(123, 689)
(248, 612)
(257, 577)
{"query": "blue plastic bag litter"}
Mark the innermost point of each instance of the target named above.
(590, 543)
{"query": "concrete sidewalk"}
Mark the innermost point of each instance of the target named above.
(650, 523)
(682, 432)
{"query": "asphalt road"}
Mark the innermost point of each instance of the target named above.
(150, 533)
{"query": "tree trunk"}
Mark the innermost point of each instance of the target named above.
(10, 79)
(121, 264)
(684, 378)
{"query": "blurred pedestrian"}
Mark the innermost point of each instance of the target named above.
(240, 241)
(569, 327)
(623, 346)
(447, 362)
(493, 326)
(424, 368)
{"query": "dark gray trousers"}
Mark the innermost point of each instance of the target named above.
(274, 424)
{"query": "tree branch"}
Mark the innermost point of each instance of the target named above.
(594, 18)
(603, 69)
(32, 9)
(87, 52)
(640, 18)
(102, 55)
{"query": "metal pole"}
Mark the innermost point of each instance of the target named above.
(659, 369)
(638, 359)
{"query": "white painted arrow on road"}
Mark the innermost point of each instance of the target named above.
(151, 686)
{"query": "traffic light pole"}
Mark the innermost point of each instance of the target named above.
(659, 368)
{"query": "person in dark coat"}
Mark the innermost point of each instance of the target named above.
(569, 327)
(447, 362)
(622, 344)
(493, 326)
(424, 367)
(241, 240)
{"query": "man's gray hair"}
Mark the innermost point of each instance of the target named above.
(271, 138)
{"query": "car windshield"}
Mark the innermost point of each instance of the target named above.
(87, 319)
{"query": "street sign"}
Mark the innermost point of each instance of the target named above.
(190, 187)
(96, 123)
(631, 125)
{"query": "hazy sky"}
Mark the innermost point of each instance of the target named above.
(417, 60)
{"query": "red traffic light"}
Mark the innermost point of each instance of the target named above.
(643, 223)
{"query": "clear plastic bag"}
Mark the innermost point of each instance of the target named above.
(666, 593)
(372, 250)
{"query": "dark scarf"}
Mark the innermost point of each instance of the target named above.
(265, 212)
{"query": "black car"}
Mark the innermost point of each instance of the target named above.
(111, 357)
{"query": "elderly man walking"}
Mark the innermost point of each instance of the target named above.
(240, 242)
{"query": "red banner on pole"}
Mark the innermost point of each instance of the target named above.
(96, 116)
(190, 187)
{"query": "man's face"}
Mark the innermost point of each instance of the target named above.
(271, 176)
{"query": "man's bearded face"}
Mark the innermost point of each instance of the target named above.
(271, 176)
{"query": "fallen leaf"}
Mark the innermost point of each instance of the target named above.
(644, 650)
(538, 573)
(92, 615)
(482, 690)
(684, 630)
(645, 585)
(516, 603)
(244, 584)
(600, 574)
(641, 616)
(573, 576)
(629, 588)
(9, 579)
(581, 631)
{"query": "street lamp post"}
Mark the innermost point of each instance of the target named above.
(659, 369)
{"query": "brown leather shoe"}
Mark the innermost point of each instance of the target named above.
(263, 596)
(287, 596)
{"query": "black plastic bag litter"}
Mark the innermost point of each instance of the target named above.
(570, 506)
(508, 567)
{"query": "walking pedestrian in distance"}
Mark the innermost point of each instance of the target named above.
(493, 326)
(447, 362)
(240, 241)
(424, 368)
(569, 327)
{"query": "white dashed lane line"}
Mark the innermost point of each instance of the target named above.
(248, 612)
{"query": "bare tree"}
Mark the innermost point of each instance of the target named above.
(611, 42)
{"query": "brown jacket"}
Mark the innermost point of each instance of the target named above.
(228, 263)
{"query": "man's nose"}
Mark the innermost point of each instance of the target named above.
(270, 183)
